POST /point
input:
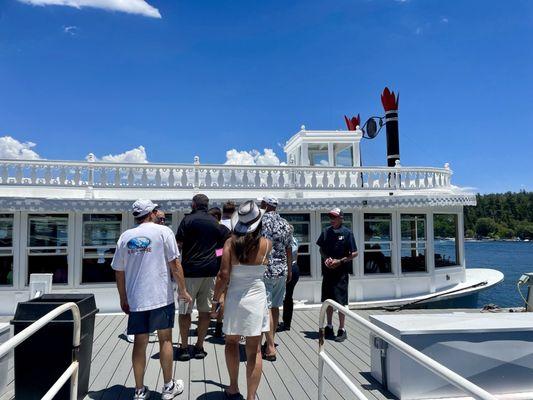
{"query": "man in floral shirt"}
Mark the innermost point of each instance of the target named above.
(277, 229)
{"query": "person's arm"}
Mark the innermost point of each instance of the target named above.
(352, 253)
(120, 276)
(180, 234)
(177, 272)
(222, 277)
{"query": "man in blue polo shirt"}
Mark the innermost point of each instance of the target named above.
(338, 249)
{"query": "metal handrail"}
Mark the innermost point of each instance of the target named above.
(434, 366)
(72, 370)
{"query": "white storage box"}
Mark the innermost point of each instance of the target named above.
(494, 351)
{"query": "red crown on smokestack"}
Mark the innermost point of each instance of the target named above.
(389, 100)
(352, 123)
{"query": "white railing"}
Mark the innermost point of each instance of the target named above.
(200, 176)
(72, 370)
(437, 368)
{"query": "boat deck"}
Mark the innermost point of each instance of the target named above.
(292, 376)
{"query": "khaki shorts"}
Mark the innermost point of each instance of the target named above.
(201, 291)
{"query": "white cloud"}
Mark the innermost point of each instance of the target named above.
(444, 20)
(71, 30)
(136, 155)
(252, 157)
(13, 149)
(139, 7)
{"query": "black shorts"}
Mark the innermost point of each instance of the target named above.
(335, 287)
(140, 322)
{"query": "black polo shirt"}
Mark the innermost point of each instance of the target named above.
(201, 235)
(337, 243)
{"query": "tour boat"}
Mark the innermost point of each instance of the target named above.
(64, 218)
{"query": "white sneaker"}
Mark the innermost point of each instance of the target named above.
(145, 394)
(171, 392)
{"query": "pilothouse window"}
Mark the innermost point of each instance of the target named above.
(378, 243)
(100, 235)
(6, 249)
(413, 250)
(445, 229)
(48, 246)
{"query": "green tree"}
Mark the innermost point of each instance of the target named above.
(485, 227)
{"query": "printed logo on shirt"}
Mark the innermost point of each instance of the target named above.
(139, 245)
(340, 238)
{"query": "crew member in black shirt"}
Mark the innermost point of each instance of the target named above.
(338, 249)
(198, 236)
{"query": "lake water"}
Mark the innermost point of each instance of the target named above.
(511, 258)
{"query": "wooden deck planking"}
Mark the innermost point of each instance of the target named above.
(292, 376)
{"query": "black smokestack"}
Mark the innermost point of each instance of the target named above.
(390, 104)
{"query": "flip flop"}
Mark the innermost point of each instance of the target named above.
(269, 357)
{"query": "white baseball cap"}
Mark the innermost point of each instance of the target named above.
(142, 207)
(270, 200)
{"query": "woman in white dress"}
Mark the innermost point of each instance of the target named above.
(244, 260)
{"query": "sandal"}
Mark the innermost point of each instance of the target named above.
(269, 357)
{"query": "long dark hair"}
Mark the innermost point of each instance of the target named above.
(246, 245)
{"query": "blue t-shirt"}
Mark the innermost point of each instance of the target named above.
(337, 243)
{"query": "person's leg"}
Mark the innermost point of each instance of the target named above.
(342, 317)
(278, 290)
(203, 304)
(203, 326)
(288, 302)
(138, 358)
(254, 364)
(165, 353)
(329, 316)
(185, 325)
(232, 362)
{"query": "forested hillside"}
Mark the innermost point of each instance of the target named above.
(504, 216)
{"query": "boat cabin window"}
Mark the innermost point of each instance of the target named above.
(348, 223)
(318, 154)
(6, 249)
(445, 229)
(100, 235)
(48, 246)
(378, 244)
(413, 251)
(343, 153)
(301, 222)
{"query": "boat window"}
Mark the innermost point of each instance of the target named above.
(100, 235)
(445, 231)
(48, 246)
(378, 243)
(6, 249)
(300, 222)
(413, 251)
(318, 154)
(348, 223)
(343, 154)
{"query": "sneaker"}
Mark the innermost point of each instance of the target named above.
(329, 333)
(183, 354)
(341, 335)
(142, 394)
(199, 353)
(168, 393)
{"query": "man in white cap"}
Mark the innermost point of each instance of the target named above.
(145, 259)
(338, 249)
(277, 274)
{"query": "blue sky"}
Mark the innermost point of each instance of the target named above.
(209, 76)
